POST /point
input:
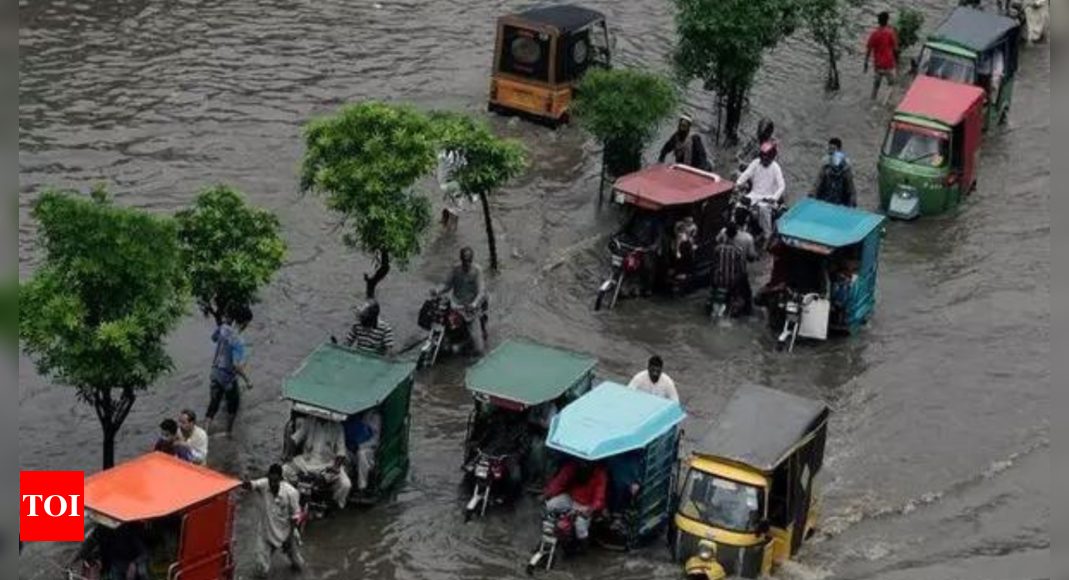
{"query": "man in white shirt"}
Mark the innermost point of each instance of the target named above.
(280, 510)
(192, 437)
(766, 184)
(654, 381)
(323, 449)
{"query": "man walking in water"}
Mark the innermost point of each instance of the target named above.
(280, 511)
(882, 50)
(228, 365)
(654, 381)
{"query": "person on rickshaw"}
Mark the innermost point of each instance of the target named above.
(730, 272)
(124, 552)
(835, 183)
(362, 437)
(767, 186)
(323, 453)
(468, 285)
(580, 487)
(687, 148)
(843, 285)
(685, 242)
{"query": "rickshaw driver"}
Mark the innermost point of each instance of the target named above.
(766, 184)
(323, 453)
(468, 286)
(579, 486)
(686, 147)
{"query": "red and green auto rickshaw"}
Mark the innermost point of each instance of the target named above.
(928, 161)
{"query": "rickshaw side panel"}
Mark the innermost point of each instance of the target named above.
(205, 550)
(392, 460)
(863, 301)
(655, 499)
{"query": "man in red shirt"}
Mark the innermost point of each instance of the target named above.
(579, 486)
(883, 52)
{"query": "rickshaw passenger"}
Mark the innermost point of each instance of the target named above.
(684, 244)
(280, 512)
(625, 473)
(362, 437)
(124, 553)
(687, 148)
(323, 453)
(579, 486)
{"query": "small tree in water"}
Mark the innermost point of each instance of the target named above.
(622, 109)
(828, 23)
(908, 25)
(722, 43)
(229, 249)
(485, 163)
(364, 161)
(95, 314)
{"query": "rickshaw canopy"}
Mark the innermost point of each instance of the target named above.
(528, 373)
(565, 18)
(610, 420)
(345, 381)
(830, 225)
(152, 486)
(973, 29)
(660, 186)
(940, 100)
(761, 427)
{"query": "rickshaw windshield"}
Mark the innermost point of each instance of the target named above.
(917, 145)
(947, 66)
(722, 503)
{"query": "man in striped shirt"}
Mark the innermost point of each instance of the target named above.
(370, 333)
(729, 270)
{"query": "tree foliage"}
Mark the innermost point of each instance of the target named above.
(830, 23)
(229, 249)
(622, 109)
(364, 161)
(109, 289)
(908, 25)
(487, 162)
(722, 43)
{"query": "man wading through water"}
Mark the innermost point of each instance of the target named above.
(228, 366)
(686, 147)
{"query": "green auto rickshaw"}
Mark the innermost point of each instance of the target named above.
(929, 157)
(976, 48)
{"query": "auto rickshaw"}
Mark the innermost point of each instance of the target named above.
(518, 388)
(929, 157)
(976, 48)
(825, 260)
(634, 436)
(750, 495)
(655, 201)
(354, 388)
(540, 56)
(180, 517)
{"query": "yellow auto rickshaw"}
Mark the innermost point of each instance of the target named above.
(539, 57)
(748, 499)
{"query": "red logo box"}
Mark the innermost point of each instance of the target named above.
(52, 506)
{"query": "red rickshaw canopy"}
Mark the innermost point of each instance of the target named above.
(661, 186)
(940, 100)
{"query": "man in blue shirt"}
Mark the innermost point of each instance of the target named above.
(228, 365)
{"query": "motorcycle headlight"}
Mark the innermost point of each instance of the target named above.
(707, 550)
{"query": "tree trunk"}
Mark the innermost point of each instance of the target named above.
(489, 223)
(372, 282)
(111, 416)
(833, 69)
(733, 113)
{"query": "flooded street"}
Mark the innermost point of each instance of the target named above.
(938, 462)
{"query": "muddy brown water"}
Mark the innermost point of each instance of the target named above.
(939, 455)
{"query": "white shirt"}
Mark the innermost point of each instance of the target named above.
(323, 442)
(197, 443)
(664, 388)
(277, 511)
(767, 183)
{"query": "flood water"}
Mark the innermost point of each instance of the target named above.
(938, 460)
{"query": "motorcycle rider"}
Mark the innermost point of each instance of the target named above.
(835, 183)
(687, 147)
(468, 286)
(582, 487)
(323, 453)
(767, 186)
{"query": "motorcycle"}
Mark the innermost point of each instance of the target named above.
(447, 328)
(558, 534)
(626, 261)
(717, 306)
(489, 472)
(742, 211)
(793, 306)
(314, 491)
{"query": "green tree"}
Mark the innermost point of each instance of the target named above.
(108, 290)
(622, 109)
(229, 249)
(722, 43)
(364, 161)
(487, 162)
(908, 25)
(829, 23)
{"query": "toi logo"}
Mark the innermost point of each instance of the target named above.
(51, 506)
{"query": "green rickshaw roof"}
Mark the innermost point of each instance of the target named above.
(528, 373)
(974, 29)
(343, 380)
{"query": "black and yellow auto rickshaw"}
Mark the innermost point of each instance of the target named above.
(748, 499)
(539, 57)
